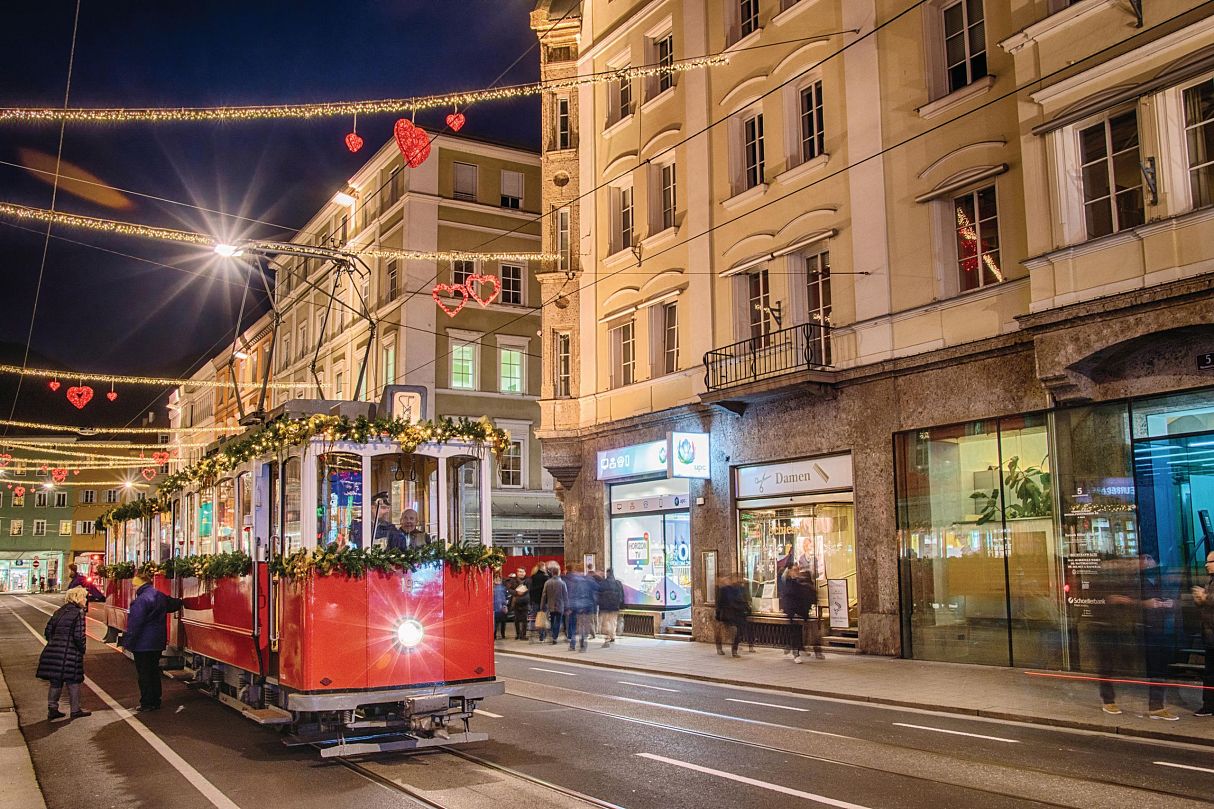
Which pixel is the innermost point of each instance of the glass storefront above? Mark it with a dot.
(651, 543)
(1034, 540)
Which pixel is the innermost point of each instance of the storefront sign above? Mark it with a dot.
(828, 473)
(657, 502)
(689, 455)
(638, 459)
(836, 596)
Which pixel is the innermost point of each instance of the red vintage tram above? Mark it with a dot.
(383, 661)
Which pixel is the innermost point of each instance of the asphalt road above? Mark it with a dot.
(623, 739)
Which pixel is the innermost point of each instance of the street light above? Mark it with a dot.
(344, 199)
(228, 250)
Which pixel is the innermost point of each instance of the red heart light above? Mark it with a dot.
(79, 396)
(19, 491)
(148, 472)
(412, 141)
(112, 395)
(5, 459)
(75, 471)
(160, 457)
(453, 290)
(455, 121)
(480, 281)
(354, 142)
(58, 475)
(53, 385)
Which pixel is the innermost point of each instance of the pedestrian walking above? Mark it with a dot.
(146, 636)
(1108, 629)
(520, 604)
(733, 613)
(580, 609)
(610, 599)
(554, 601)
(535, 583)
(794, 601)
(500, 601)
(1204, 598)
(813, 623)
(77, 580)
(62, 660)
(596, 581)
(1157, 610)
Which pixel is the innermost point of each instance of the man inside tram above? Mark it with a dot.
(411, 535)
(382, 526)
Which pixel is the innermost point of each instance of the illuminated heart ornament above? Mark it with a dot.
(79, 396)
(19, 491)
(53, 385)
(454, 290)
(148, 472)
(160, 457)
(58, 475)
(354, 142)
(412, 141)
(75, 471)
(455, 121)
(476, 284)
(5, 459)
(112, 395)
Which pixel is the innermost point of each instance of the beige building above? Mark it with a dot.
(918, 286)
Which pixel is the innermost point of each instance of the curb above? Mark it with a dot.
(1029, 719)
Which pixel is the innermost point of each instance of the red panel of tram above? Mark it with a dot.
(406, 629)
(217, 619)
(468, 653)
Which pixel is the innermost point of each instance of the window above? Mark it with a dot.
(670, 338)
(338, 388)
(620, 97)
(39, 528)
(748, 17)
(65, 528)
(977, 239)
(661, 53)
(564, 364)
(396, 185)
(111, 496)
(512, 284)
(622, 218)
(461, 269)
(667, 197)
(465, 181)
(87, 497)
(1199, 133)
(623, 353)
(817, 283)
(510, 369)
(85, 527)
(303, 339)
(60, 499)
(564, 245)
(345, 228)
(18, 501)
(813, 133)
(393, 283)
(752, 151)
(964, 43)
(389, 364)
(284, 358)
(16, 528)
(1112, 178)
(759, 304)
(512, 189)
(510, 467)
(40, 499)
(564, 135)
(463, 362)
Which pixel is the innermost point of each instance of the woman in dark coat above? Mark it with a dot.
(62, 661)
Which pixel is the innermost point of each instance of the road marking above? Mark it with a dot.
(553, 671)
(483, 712)
(1182, 766)
(48, 611)
(767, 704)
(754, 782)
(957, 733)
(654, 687)
(196, 779)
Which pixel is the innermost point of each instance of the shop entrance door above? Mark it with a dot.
(18, 580)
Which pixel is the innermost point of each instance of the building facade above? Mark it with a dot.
(933, 294)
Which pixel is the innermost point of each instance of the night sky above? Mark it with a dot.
(100, 311)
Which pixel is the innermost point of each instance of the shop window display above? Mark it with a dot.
(819, 537)
(651, 543)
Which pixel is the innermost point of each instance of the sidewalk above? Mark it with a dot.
(21, 790)
(999, 693)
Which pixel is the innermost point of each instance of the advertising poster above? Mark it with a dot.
(637, 543)
(836, 595)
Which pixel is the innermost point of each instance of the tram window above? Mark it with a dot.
(206, 521)
(244, 490)
(191, 524)
(464, 481)
(225, 514)
(339, 504)
(178, 529)
(411, 483)
(292, 536)
(163, 540)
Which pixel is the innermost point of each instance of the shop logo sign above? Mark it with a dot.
(829, 473)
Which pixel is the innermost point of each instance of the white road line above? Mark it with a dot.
(754, 782)
(483, 712)
(196, 779)
(767, 704)
(553, 671)
(1183, 766)
(654, 687)
(957, 733)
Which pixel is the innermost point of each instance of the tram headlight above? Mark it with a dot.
(409, 633)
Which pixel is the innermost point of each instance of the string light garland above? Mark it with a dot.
(68, 428)
(18, 464)
(26, 213)
(332, 109)
(9, 442)
(152, 381)
(92, 484)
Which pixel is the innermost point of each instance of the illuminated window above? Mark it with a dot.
(463, 359)
(977, 229)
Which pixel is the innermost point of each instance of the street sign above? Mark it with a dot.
(1205, 362)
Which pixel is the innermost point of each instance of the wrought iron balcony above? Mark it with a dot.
(804, 347)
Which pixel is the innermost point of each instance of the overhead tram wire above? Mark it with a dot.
(880, 153)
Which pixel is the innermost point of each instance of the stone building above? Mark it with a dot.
(930, 290)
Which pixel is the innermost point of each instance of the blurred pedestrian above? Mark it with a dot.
(1204, 598)
(77, 580)
(62, 659)
(146, 636)
(1107, 626)
(813, 623)
(1156, 637)
(554, 601)
(535, 583)
(610, 598)
(733, 613)
(596, 581)
(500, 599)
(794, 601)
(581, 608)
(520, 604)
(42, 584)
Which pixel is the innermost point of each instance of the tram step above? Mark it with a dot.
(269, 716)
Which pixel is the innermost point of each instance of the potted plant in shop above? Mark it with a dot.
(1031, 487)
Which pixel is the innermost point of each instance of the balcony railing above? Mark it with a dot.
(803, 347)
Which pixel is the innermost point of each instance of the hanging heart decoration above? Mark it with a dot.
(454, 290)
(354, 142)
(148, 472)
(5, 459)
(160, 457)
(53, 385)
(412, 141)
(75, 471)
(58, 475)
(19, 491)
(112, 395)
(79, 396)
(455, 121)
(475, 285)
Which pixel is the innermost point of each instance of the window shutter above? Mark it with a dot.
(465, 179)
(512, 184)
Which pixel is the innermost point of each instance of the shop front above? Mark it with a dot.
(30, 571)
(799, 513)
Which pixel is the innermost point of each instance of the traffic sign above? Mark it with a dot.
(36, 563)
